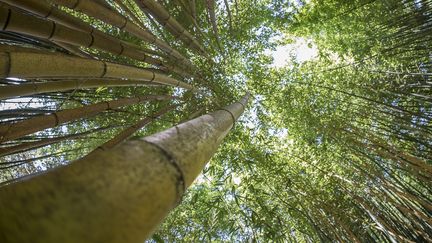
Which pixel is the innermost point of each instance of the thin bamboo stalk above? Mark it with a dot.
(73, 49)
(117, 195)
(46, 141)
(212, 18)
(172, 25)
(38, 123)
(10, 91)
(123, 135)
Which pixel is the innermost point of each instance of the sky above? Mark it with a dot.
(299, 50)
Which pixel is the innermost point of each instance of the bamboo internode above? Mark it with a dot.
(115, 195)
(47, 65)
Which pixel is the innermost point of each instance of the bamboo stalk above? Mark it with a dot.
(229, 14)
(38, 123)
(46, 29)
(212, 19)
(73, 49)
(41, 65)
(110, 16)
(46, 141)
(10, 91)
(172, 25)
(45, 10)
(117, 195)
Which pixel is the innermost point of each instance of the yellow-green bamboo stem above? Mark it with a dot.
(46, 29)
(129, 12)
(40, 65)
(16, 130)
(212, 19)
(43, 9)
(172, 25)
(116, 195)
(18, 90)
(109, 16)
(194, 22)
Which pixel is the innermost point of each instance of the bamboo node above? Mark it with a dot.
(52, 31)
(7, 19)
(232, 115)
(181, 184)
(104, 69)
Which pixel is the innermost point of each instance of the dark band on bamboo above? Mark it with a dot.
(154, 76)
(121, 49)
(53, 30)
(104, 69)
(7, 19)
(125, 23)
(57, 120)
(241, 104)
(167, 19)
(108, 105)
(181, 184)
(92, 38)
(232, 115)
(49, 12)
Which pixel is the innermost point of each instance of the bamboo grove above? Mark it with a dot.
(337, 148)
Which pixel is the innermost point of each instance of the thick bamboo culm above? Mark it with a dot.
(81, 202)
(48, 65)
(43, 9)
(18, 129)
(46, 29)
